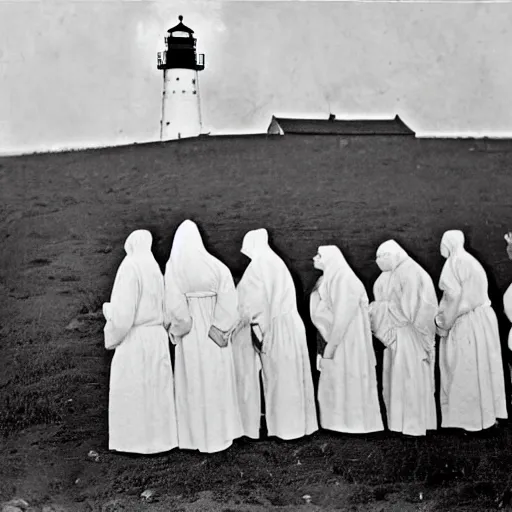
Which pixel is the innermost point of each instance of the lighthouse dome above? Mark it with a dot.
(180, 30)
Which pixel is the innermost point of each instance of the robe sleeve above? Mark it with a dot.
(381, 321)
(419, 303)
(381, 324)
(254, 304)
(321, 316)
(121, 310)
(414, 303)
(226, 309)
(345, 298)
(418, 307)
(451, 286)
(177, 318)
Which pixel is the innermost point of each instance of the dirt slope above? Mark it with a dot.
(63, 222)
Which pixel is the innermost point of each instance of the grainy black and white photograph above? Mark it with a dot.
(255, 255)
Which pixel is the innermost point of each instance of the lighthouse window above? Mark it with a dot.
(193, 81)
(194, 92)
(177, 78)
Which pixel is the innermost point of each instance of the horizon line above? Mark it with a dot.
(85, 147)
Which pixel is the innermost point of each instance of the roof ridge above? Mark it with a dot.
(391, 125)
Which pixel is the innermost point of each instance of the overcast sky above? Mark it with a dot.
(81, 73)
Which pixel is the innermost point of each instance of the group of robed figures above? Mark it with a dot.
(225, 335)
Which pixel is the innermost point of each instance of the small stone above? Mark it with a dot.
(112, 506)
(95, 456)
(148, 495)
(19, 503)
(11, 508)
(73, 325)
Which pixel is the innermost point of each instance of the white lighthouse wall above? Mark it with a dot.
(181, 117)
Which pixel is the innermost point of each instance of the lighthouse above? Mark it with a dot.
(181, 106)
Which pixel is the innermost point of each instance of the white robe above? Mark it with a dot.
(347, 388)
(472, 382)
(200, 287)
(402, 318)
(290, 409)
(142, 416)
(247, 370)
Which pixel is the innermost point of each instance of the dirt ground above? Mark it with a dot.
(63, 222)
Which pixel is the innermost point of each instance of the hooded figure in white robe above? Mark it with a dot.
(201, 307)
(247, 370)
(270, 304)
(403, 319)
(347, 390)
(472, 381)
(142, 416)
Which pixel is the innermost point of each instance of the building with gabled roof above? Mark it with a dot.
(333, 126)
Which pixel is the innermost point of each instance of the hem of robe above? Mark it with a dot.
(252, 436)
(143, 451)
(289, 437)
(472, 428)
(203, 449)
(415, 434)
(345, 430)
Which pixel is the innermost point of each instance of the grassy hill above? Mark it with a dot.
(63, 221)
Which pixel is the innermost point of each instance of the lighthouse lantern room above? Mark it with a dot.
(181, 107)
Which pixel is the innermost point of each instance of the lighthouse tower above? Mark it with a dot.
(181, 108)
